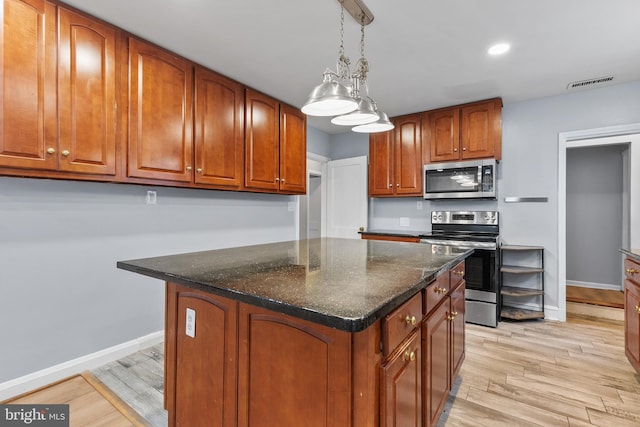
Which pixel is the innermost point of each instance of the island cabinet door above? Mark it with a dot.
(291, 372)
(200, 360)
(400, 385)
(457, 331)
(436, 359)
(632, 323)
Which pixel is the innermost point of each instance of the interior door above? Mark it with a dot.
(347, 197)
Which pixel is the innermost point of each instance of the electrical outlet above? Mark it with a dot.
(190, 328)
(152, 197)
(291, 206)
(419, 205)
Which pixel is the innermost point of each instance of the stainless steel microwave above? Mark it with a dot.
(474, 179)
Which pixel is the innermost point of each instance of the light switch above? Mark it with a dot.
(191, 323)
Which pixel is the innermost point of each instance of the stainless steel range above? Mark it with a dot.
(478, 230)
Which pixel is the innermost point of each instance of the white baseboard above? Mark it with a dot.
(66, 369)
(594, 285)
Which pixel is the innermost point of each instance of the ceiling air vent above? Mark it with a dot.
(590, 82)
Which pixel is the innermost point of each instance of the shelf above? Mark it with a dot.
(520, 292)
(521, 248)
(520, 313)
(516, 269)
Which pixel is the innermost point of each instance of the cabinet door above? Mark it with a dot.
(632, 323)
(28, 119)
(400, 386)
(457, 330)
(200, 359)
(219, 130)
(262, 119)
(160, 122)
(380, 164)
(86, 94)
(292, 372)
(444, 142)
(436, 359)
(293, 150)
(479, 138)
(407, 155)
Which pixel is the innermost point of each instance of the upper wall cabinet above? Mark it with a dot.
(275, 145)
(395, 159)
(160, 114)
(219, 130)
(66, 124)
(28, 85)
(470, 131)
(86, 94)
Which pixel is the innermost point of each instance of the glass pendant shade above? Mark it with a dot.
(329, 98)
(383, 124)
(365, 113)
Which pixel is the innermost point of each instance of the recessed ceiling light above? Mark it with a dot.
(499, 48)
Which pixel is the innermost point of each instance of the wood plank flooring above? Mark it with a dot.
(533, 373)
(90, 403)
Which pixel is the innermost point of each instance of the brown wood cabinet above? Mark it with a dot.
(219, 130)
(632, 312)
(28, 85)
(275, 145)
(465, 132)
(410, 239)
(395, 163)
(443, 341)
(86, 94)
(200, 369)
(160, 140)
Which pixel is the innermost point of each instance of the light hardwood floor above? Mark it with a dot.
(534, 373)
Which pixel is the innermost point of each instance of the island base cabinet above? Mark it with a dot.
(200, 358)
(632, 323)
(436, 371)
(292, 372)
(400, 388)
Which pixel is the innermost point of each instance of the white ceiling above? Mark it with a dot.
(423, 54)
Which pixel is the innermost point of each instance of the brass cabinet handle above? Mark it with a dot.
(390, 185)
(51, 150)
(442, 290)
(409, 355)
(458, 272)
(632, 271)
(199, 170)
(189, 168)
(638, 308)
(281, 179)
(464, 148)
(410, 320)
(455, 150)
(65, 153)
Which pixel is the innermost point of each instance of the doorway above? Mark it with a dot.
(628, 135)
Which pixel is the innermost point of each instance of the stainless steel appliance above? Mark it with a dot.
(474, 179)
(478, 230)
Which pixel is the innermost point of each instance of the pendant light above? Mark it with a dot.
(332, 97)
(344, 94)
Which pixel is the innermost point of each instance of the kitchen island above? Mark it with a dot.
(632, 306)
(321, 332)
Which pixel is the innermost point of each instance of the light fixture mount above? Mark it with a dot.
(358, 10)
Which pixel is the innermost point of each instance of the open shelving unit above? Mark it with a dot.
(507, 272)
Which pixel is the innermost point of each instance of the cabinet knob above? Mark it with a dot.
(199, 170)
(282, 180)
(410, 320)
(455, 150)
(409, 355)
(189, 168)
(390, 185)
(65, 153)
(632, 271)
(464, 149)
(277, 179)
(397, 185)
(51, 150)
(637, 308)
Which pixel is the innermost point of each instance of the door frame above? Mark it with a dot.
(316, 166)
(585, 138)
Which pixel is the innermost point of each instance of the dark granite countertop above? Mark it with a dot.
(402, 233)
(633, 253)
(347, 284)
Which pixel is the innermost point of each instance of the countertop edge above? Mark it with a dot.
(635, 253)
(351, 325)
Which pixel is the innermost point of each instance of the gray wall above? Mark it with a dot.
(594, 214)
(62, 296)
(529, 167)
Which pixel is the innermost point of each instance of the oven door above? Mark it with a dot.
(480, 271)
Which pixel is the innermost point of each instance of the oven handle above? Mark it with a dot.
(459, 244)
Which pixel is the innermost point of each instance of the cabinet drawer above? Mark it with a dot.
(632, 270)
(399, 324)
(436, 292)
(457, 274)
